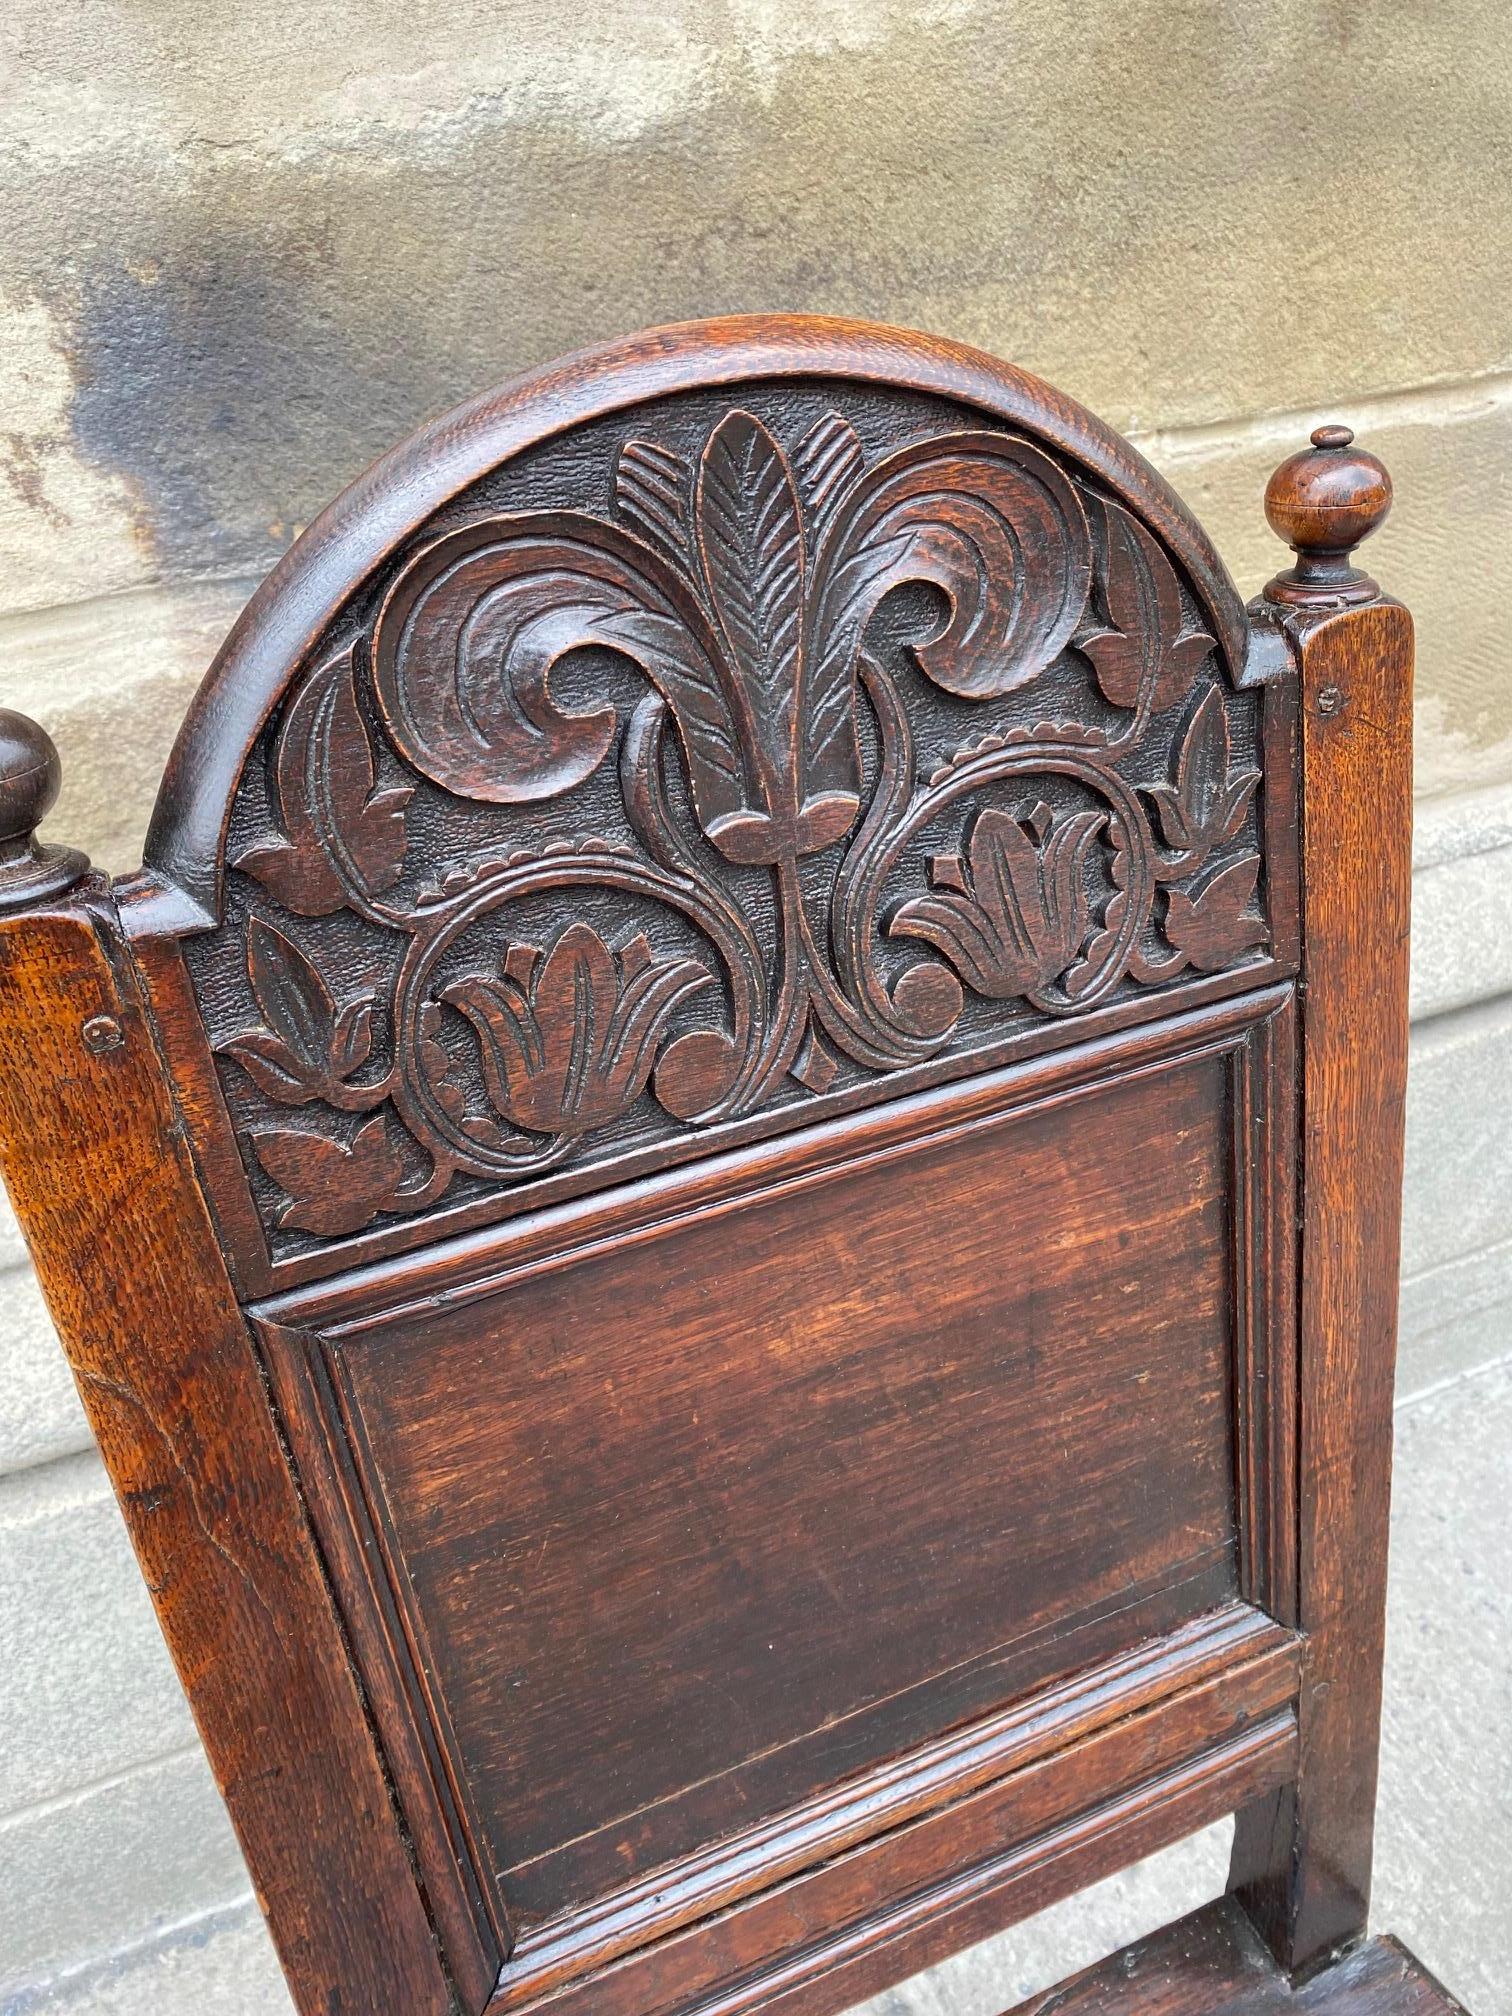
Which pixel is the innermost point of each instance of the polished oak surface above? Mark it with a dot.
(1212, 1964)
(693, 1530)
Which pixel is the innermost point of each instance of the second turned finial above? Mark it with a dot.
(29, 777)
(1323, 502)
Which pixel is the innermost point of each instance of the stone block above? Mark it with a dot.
(1455, 1319)
(1444, 1815)
(67, 524)
(284, 252)
(1461, 900)
(40, 1413)
(1459, 1137)
(112, 1866)
(90, 1692)
(1456, 1309)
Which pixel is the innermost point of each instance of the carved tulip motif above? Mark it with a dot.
(1013, 916)
(568, 1037)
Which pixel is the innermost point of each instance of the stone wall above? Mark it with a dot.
(246, 250)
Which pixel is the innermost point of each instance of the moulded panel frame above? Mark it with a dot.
(881, 1818)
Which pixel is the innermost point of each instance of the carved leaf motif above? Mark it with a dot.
(827, 461)
(309, 1047)
(468, 635)
(739, 572)
(1212, 926)
(1013, 919)
(987, 519)
(750, 537)
(756, 656)
(652, 487)
(568, 1037)
(1205, 805)
(324, 779)
(687, 675)
(333, 1186)
(291, 994)
(1142, 655)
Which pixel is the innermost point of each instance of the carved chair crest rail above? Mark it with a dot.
(726, 1199)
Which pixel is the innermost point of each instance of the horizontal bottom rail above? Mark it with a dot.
(1213, 1963)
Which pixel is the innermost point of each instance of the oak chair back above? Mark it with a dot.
(675, 1193)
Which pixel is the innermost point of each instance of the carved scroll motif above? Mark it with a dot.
(772, 739)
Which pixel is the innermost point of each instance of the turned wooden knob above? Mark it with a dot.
(1323, 502)
(30, 773)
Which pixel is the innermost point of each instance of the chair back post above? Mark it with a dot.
(94, 1152)
(1302, 1861)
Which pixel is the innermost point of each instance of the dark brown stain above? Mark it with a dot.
(21, 468)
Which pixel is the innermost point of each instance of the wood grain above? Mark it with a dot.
(94, 1159)
(1212, 1964)
(1304, 1866)
(848, 1928)
(1253, 1663)
(838, 1446)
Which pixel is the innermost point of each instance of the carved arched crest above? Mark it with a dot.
(748, 747)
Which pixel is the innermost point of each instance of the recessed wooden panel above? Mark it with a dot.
(694, 1528)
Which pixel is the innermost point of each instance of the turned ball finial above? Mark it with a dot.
(1323, 502)
(30, 774)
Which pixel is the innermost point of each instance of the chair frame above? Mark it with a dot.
(189, 1329)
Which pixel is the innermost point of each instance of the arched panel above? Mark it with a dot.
(754, 717)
